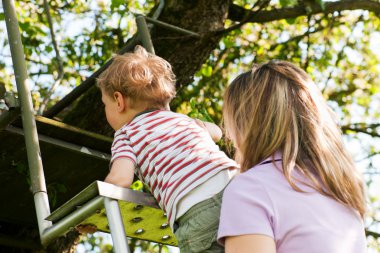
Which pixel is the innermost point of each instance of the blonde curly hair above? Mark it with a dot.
(140, 76)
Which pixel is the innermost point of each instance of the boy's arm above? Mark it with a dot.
(214, 131)
(121, 173)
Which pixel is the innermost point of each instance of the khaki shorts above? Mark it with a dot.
(198, 227)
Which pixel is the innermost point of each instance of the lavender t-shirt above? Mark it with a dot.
(261, 201)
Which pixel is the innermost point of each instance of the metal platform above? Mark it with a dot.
(142, 217)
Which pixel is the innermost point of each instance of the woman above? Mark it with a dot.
(299, 190)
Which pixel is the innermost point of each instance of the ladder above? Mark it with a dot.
(111, 208)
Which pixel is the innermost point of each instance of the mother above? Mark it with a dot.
(299, 190)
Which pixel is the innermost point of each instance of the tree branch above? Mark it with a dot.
(298, 37)
(35, 61)
(59, 60)
(372, 233)
(259, 4)
(238, 13)
(369, 129)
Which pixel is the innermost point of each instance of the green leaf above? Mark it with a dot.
(321, 3)
(137, 185)
(61, 188)
(228, 42)
(2, 17)
(285, 3)
(198, 111)
(290, 21)
(205, 115)
(207, 71)
(24, 26)
(116, 4)
(49, 49)
(193, 104)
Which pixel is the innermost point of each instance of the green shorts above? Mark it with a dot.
(198, 227)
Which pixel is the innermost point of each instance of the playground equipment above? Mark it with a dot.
(112, 209)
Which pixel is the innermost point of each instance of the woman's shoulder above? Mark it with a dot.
(259, 178)
(262, 172)
(254, 177)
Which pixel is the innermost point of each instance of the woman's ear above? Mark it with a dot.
(120, 100)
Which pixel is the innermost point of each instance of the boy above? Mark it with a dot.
(170, 152)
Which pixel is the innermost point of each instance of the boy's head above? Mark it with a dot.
(140, 76)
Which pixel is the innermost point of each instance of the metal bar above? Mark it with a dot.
(120, 242)
(29, 124)
(65, 145)
(85, 85)
(171, 27)
(70, 221)
(127, 195)
(71, 205)
(160, 7)
(144, 34)
(7, 117)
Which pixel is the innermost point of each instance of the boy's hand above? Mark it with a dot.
(86, 229)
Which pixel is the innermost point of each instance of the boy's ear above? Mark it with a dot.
(120, 100)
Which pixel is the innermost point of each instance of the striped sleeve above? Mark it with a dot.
(121, 148)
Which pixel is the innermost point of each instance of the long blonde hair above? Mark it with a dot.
(277, 107)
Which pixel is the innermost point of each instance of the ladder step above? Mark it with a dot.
(142, 217)
(141, 222)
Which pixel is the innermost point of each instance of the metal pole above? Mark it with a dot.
(27, 112)
(160, 7)
(120, 242)
(144, 34)
(70, 221)
(171, 27)
(63, 144)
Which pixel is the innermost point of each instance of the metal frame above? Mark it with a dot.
(115, 222)
(66, 224)
(144, 35)
(63, 144)
(48, 232)
(37, 176)
(172, 27)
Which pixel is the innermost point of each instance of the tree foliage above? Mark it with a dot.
(337, 43)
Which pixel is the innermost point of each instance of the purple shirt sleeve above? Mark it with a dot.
(246, 209)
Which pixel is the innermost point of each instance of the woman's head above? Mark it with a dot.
(270, 104)
(277, 107)
(140, 76)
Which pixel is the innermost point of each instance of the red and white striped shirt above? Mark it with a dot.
(172, 155)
